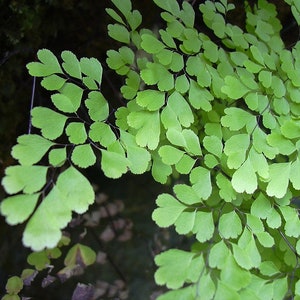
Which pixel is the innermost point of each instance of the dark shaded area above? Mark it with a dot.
(80, 26)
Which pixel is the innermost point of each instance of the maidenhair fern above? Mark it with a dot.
(225, 111)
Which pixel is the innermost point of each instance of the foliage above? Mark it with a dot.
(222, 110)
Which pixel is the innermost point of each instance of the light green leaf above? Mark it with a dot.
(150, 99)
(80, 255)
(114, 164)
(181, 108)
(69, 98)
(48, 64)
(192, 142)
(274, 219)
(97, 106)
(254, 224)
(265, 77)
(102, 133)
(185, 164)
(268, 268)
(134, 19)
(265, 239)
(182, 84)
(29, 179)
(230, 225)
(30, 149)
(185, 222)
(234, 88)
(284, 145)
(261, 206)
(295, 174)
(151, 44)
(170, 155)
(213, 145)
(76, 133)
(169, 5)
(226, 192)
(57, 157)
(71, 64)
(50, 122)
(279, 179)
(92, 68)
(17, 209)
(138, 157)
(159, 170)
(148, 125)
(53, 82)
(168, 211)
(200, 179)
(186, 194)
(218, 255)
(119, 33)
(291, 129)
(173, 275)
(204, 227)
(244, 178)
(236, 119)
(292, 222)
(83, 156)
(71, 192)
(235, 148)
(199, 97)
(259, 163)
(114, 15)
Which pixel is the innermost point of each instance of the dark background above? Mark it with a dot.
(81, 26)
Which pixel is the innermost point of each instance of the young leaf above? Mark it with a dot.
(203, 226)
(200, 179)
(80, 255)
(30, 149)
(50, 122)
(29, 179)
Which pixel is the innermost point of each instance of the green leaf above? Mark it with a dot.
(204, 227)
(213, 145)
(148, 125)
(261, 206)
(92, 68)
(71, 64)
(50, 122)
(169, 5)
(294, 174)
(30, 149)
(234, 88)
(265, 239)
(48, 64)
(72, 192)
(113, 164)
(29, 179)
(97, 106)
(291, 129)
(83, 156)
(200, 97)
(168, 211)
(80, 255)
(179, 105)
(53, 82)
(150, 99)
(230, 225)
(218, 254)
(14, 285)
(57, 157)
(76, 133)
(160, 171)
(200, 179)
(187, 14)
(292, 222)
(170, 155)
(235, 148)
(69, 98)
(17, 209)
(268, 268)
(151, 44)
(175, 274)
(182, 84)
(119, 33)
(186, 194)
(138, 157)
(114, 15)
(244, 178)
(284, 145)
(274, 219)
(102, 133)
(124, 6)
(226, 192)
(279, 179)
(236, 119)
(185, 164)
